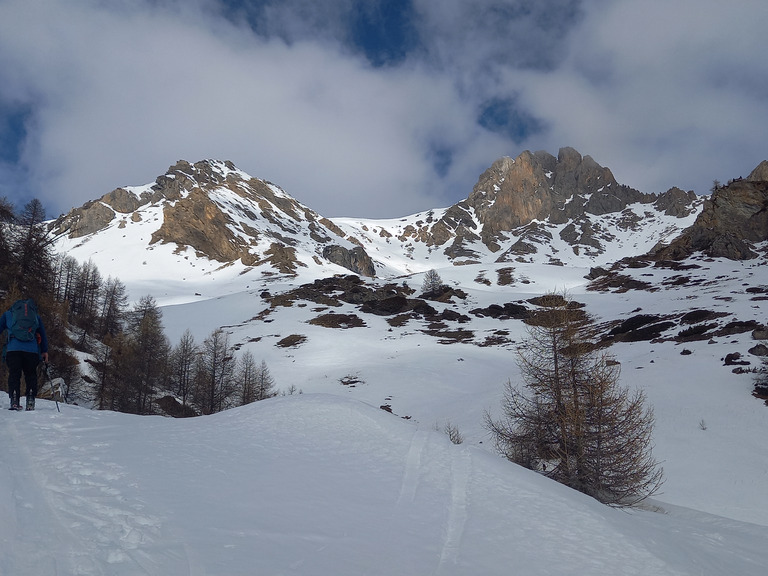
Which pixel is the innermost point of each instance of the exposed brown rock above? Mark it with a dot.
(122, 201)
(675, 202)
(211, 207)
(732, 219)
(356, 260)
(198, 222)
(88, 219)
(760, 173)
(514, 193)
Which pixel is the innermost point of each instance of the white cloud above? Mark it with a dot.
(663, 93)
(121, 97)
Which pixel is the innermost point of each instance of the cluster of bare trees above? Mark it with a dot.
(25, 249)
(134, 368)
(26, 271)
(571, 420)
(97, 306)
(132, 363)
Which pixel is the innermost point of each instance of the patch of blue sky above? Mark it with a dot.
(504, 116)
(13, 120)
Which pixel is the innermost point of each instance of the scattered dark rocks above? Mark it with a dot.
(635, 322)
(697, 316)
(596, 272)
(453, 316)
(620, 283)
(737, 327)
(291, 341)
(674, 265)
(351, 380)
(444, 294)
(332, 320)
(502, 312)
(450, 336)
(759, 350)
(696, 332)
(639, 328)
(386, 307)
(734, 359)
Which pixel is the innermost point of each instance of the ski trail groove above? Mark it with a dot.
(412, 468)
(461, 467)
(64, 552)
(96, 522)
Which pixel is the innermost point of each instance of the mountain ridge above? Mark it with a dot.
(536, 207)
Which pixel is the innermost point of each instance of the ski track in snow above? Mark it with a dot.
(73, 494)
(63, 552)
(412, 468)
(461, 467)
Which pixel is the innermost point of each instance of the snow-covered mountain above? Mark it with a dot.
(326, 482)
(535, 208)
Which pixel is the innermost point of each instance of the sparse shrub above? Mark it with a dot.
(351, 380)
(291, 390)
(453, 433)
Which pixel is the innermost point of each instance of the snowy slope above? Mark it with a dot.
(389, 242)
(316, 485)
(326, 483)
(720, 470)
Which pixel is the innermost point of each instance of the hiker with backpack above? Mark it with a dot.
(27, 344)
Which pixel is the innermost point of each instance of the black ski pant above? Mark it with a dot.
(19, 362)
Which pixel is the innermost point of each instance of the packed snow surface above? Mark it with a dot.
(325, 482)
(314, 484)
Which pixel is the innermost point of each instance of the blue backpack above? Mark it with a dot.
(24, 320)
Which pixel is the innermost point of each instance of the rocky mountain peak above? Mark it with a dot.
(525, 198)
(224, 215)
(733, 219)
(538, 186)
(760, 173)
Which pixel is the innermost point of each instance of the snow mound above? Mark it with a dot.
(316, 485)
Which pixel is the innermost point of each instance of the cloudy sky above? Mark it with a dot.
(376, 108)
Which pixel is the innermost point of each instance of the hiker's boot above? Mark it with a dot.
(13, 400)
(30, 402)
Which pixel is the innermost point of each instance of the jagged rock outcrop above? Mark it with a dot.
(732, 220)
(675, 202)
(356, 260)
(518, 198)
(534, 207)
(760, 173)
(224, 215)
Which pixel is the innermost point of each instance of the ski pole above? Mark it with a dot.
(53, 392)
